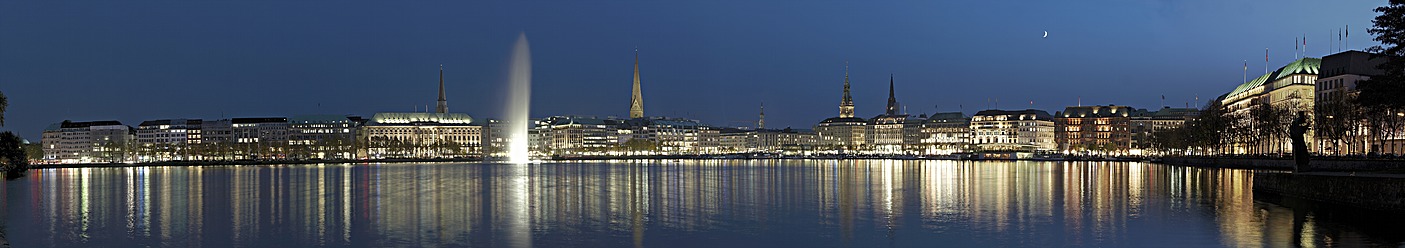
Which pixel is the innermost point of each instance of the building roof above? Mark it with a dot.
(318, 119)
(83, 124)
(663, 121)
(1166, 113)
(1096, 111)
(947, 117)
(1300, 66)
(401, 118)
(1039, 114)
(258, 120)
(583, 120)
(170, 121)
(843, 120)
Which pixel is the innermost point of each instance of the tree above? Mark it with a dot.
(3, 104)
(12, 157)
(1379, 96)
(1382, 92)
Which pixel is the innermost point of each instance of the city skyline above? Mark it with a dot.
(157, 68)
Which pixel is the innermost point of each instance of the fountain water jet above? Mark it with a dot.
(519, 100)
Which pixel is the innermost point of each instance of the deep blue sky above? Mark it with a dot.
(714, 61)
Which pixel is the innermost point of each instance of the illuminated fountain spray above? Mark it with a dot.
(516, 200)
(519, 99)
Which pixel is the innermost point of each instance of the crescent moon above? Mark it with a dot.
(1046, 34)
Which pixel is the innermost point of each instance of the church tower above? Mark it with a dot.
(443, 106)
(636, 101)
(892, 101)
(761, 123)
(846, 105)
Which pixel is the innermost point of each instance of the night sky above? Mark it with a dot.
(714, 61)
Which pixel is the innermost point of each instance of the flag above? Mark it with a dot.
(1295, 43)
(1246, 65)
(1265, 55)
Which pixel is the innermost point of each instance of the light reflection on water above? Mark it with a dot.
(668, 203)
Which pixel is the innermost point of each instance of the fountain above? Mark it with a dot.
(516, 200)
(519, 100)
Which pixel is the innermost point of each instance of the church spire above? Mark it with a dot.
(846, 104)
(761, 123)
(892, 101)
(636, 101)
(443, 106)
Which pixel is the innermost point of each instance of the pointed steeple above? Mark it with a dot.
(761, 123)
(636, 101)
(443, 106)
(846, 104)
(892, 101)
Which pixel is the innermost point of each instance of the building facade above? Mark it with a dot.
(88, 142)
(577, 135)
(1102, 130)
(167, 139)
(674, 136)
(945, 134)
(421, 135)
(844, 133)
(1281, 93)
(1339, 122)
(1027, 130)
(1144, 124)
(323, 136)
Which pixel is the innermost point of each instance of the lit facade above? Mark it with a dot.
(1094, 129)
(1145, 124)
(1013, 130)
(779, 141)
(576, 135)
(323, 136)
(259, 137)
(169, 139)
(88, 142)
(845, 132)
(1343, 127)
(421, 135)
(1289, 89)
(672, 135)
(945, 134)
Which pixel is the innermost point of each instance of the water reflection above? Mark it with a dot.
(708, 203)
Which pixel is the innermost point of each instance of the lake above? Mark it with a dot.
(673, 203)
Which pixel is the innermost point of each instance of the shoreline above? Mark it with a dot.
(593, 158)
(1269, 164)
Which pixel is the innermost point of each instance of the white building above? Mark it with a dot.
(168, 139)
(88, 142)
(945, 134)
(674, 136)
(576, 135)
(422, 135)
(1013, 130)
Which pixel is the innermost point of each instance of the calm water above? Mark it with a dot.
(671, 203)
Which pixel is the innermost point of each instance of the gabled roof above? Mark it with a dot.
(1300, 66)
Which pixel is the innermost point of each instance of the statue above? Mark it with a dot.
(1297, 130)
